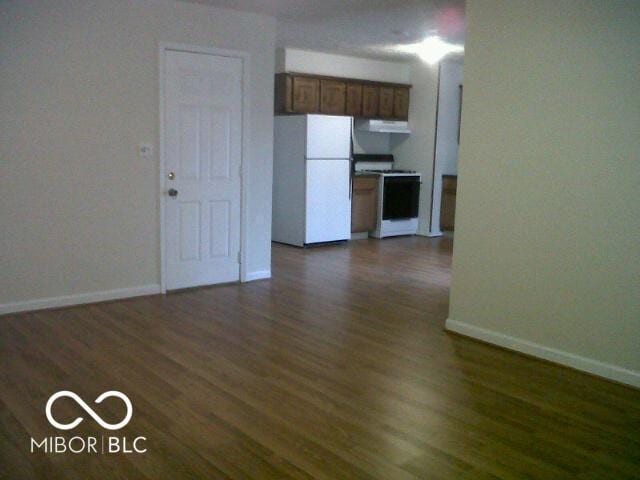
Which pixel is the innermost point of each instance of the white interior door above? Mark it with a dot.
(202, 139)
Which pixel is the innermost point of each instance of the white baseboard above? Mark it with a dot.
(432, 234)
(78, 299)
(259, 275)
(102, 296)
(606, 370)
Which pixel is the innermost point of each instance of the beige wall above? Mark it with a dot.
(547, 246)
(78, 93)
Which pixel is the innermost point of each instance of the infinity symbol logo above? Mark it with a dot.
(89, 410)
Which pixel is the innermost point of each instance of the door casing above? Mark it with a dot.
(244, 154)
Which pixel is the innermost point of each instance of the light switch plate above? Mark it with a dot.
(145, 150)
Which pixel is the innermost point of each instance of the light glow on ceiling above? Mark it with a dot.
(431, 49)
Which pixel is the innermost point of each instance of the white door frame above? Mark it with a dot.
(244, 164)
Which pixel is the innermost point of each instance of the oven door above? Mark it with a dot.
(401, 197)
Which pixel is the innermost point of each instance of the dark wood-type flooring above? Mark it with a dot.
(337, 368)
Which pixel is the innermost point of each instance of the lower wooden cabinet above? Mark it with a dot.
(364, 203)
(448, 202)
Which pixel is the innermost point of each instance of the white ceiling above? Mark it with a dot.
(367, 28)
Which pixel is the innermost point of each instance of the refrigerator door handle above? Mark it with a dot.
(351, 164)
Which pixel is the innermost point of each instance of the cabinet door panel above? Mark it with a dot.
(370, 100)
(401, 103)
(354, 100)
(364, 204)
(385, 108)
(332, 97)
(306, 95)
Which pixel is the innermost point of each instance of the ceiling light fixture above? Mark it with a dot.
(431, 49)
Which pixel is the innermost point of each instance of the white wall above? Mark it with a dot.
(415, 151)
(446, 161)
(546, 258)
(318, 63)
(78, 92)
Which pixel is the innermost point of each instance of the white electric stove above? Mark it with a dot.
(398, 195)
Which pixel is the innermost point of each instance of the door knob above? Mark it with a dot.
(173, 192)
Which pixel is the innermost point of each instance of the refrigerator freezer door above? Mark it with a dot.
(328, 136)
(328, 206)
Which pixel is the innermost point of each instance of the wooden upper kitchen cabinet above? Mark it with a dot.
(354, 100)
(370, 100)
(401, 103)
(333, 97)
(364, 203)
(306, 95)
(385, 109)
(296, 94)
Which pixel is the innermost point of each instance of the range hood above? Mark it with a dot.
(382, 126)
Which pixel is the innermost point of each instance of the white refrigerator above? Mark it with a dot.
(311, 179)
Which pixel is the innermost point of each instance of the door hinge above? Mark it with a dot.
(239, 261)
